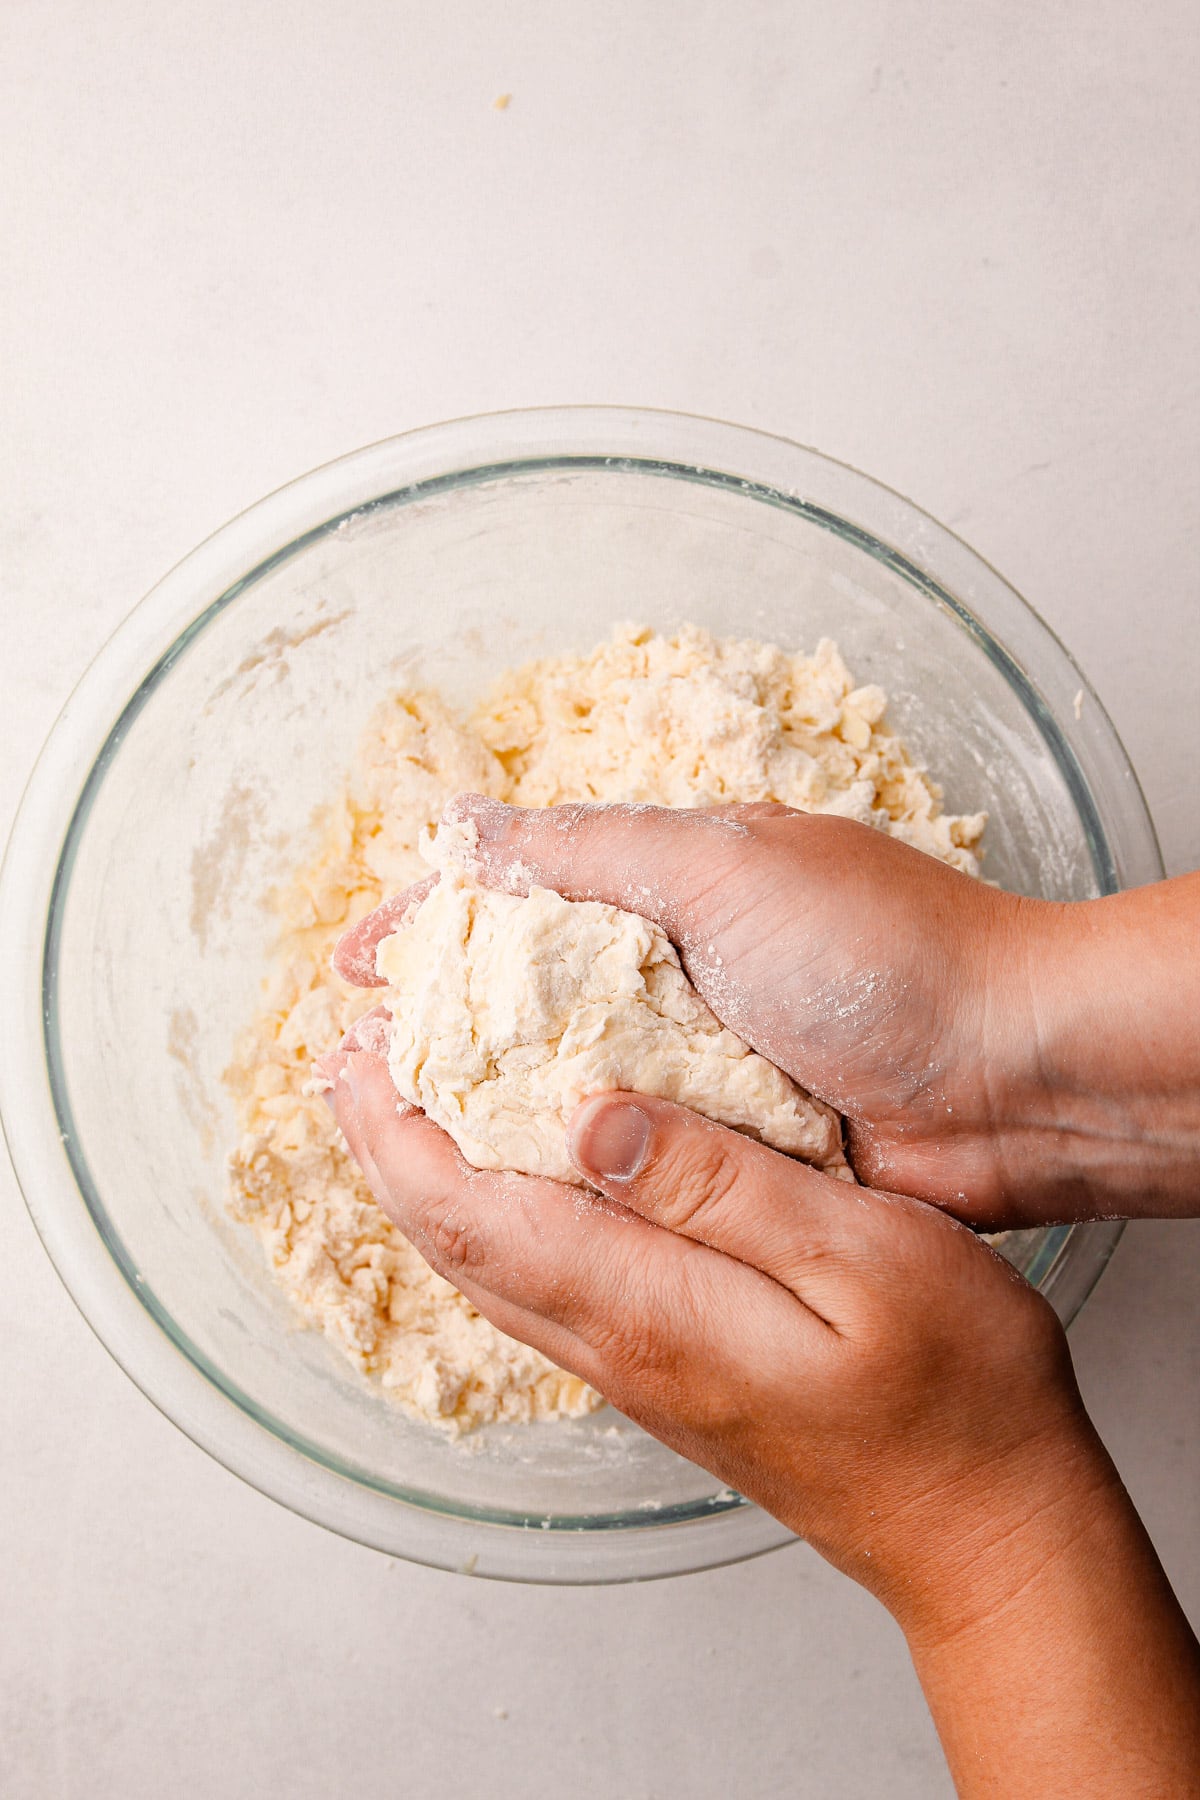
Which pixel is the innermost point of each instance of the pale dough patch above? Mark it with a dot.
(507, 1012)
(682, 721)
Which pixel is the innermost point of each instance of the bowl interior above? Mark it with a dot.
(204, 795)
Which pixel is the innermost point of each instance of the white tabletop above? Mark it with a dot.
(955, 246)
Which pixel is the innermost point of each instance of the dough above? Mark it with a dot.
(684, 720)
(508, 1012)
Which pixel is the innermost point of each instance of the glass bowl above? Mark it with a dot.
(183, 775)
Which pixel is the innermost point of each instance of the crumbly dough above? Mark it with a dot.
(508, 1011)
(685, 720)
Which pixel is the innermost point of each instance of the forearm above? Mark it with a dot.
(1059, 1663)
(1106, 1098)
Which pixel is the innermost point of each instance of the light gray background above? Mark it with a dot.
(954, 245)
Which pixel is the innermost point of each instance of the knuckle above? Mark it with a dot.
(695, 1178)
(625, 1352)
(810, 1257)
(655, 1361)
(456, 1245)
(754, 812)
(629, 1329)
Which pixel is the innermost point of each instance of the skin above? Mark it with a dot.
(855, 1359)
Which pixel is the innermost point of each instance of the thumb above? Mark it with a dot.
(659, 861)
(718, 1187)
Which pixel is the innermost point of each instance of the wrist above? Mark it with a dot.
(1002, 1532)
(1097, 1096)
(1057, 1660)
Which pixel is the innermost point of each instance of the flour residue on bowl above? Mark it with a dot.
(685, 720)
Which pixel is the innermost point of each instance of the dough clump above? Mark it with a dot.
(680, 720)
(507, 1012)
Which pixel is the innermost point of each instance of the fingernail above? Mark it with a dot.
(610, 1138)
(489, 817)
(372, 1033)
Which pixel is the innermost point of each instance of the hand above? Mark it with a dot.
(866, 1369)
(767, 1321)
(976, 1042)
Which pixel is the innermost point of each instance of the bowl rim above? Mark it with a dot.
(85, 737)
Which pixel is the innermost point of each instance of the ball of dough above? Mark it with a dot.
(507, 1012)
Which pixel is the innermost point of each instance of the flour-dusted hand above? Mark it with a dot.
(866, 1369)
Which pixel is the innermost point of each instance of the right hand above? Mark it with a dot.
(867, 1370)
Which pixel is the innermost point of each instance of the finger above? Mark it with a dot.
(354, 952)
(546, 1334)
(626, 1305)
(494, 1228)
(371, 1032)
(806, 1230)
(658, 861)
(366, 1116)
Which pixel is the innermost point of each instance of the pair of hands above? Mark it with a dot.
(853, 1358)
(724, 1287)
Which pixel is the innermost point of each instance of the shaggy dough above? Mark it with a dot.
(507, 1012)
(685, 720)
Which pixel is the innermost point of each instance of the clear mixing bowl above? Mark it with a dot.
(181, 779)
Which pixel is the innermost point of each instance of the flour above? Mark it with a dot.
(687, 720)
